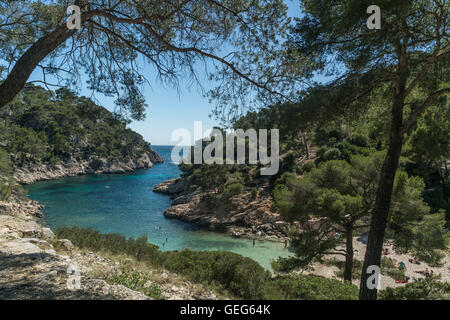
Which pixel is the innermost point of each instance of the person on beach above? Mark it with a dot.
(254, 242)
(414, 260)
(285, 243)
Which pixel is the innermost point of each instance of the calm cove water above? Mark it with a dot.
(125, 204)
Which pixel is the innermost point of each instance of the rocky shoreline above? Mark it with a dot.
(31, 173)
(36, 265)
(249, 217)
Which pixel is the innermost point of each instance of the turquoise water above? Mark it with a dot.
(125, 204)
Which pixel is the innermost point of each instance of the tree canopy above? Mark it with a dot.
(410, 53)
(41, 127)
(177, 38)
(337, 197)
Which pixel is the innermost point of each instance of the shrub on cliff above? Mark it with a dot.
(315, 288)
(112, 242)
(136, 281)
(39, 126)
(225, 272)
(5, 173)
(8, 186)
(421, 289)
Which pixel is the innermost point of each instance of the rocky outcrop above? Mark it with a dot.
(18, 208)
(31, 173)
(35, 264)
(241, 216)
(31, 268)
(173, 187)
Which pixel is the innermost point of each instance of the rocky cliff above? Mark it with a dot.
(49, 135)
(31, 173)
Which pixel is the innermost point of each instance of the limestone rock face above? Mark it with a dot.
(173, 187)
(65, 244)
(242, 216)
(31, 269)
(31, 173)
(48, 233)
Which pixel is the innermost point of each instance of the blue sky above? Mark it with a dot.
(172, 108)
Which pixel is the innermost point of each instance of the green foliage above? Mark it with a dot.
(293, 121)
(343, 150)
(210, 177)
(308, 166)
(421, 289)
(316, 288)
(233, 189)
(428, 150)
(332, 154)
(136, 281)
(396, 274)
(8, 186)
(175, 44)
(229, 272)
(39, 127)
(339, 195)
(5, 192)
(226, 272)
(5, 164)
(359, 140)
(112, 242)
(340, 264)
(389, 268)
(426, 239)
(333, 190)
(24, 144)
(431, 138)
(219, 182)
(240, 276)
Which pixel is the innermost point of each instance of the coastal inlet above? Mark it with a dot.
(126, 204)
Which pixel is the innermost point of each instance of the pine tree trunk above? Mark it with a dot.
(380, 213)
(23, 68)
(36, 53)
(348, 256)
